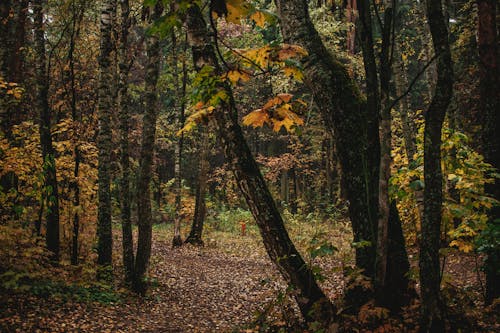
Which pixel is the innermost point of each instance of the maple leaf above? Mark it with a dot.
(236, 75)
(294, 73)
(237, 10)
(279, 99)
(256, 118)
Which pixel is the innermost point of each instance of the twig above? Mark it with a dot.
(412, 83)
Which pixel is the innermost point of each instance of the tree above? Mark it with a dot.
(489, 96)
(200, 208)
(179, 105)
(50, 192)
(353, 123)
(312, 302)
(104, 139)
(432, 319)
(76, 18)
(123, 102)
(146, 158)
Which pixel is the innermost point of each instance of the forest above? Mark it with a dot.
(249, 166)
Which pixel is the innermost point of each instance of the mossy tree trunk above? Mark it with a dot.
(344, 111)
(312, 302)
(432, 319)
(355, 123)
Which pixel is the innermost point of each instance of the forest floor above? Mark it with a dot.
(221, 287)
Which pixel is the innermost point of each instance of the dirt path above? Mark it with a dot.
(195, 291)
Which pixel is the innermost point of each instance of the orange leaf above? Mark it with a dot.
(256, 118)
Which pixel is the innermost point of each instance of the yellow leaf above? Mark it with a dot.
(256, 118)
(234, 76)
(293, 72)
(237, 10)
(261, 18)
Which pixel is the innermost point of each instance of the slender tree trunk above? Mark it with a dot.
(123, 100)
(146, 160)
(385, 151)
(104, 140)
(489, 86)
(178, 105)
(50, 191)
(432, 312)
(200, 208)
(312, 302)
(77, 15)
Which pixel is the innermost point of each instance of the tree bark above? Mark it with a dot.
(146, 160)
(312, 302)
(432, 319)
(178, 106)
(200, 208)
(344, 112)
(385, 152)
(50, 191)
(489, 86)
(104, 139)
(123, 102)
(77, 15)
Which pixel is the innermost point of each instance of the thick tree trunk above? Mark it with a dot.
(200, 208)
(344, 112)
(489, 89)
(104, 141)
(50, 191)
(432, 312)
(146, 160)
(313, 303)
(123, 100)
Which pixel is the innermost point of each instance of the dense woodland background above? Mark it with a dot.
(249, 165)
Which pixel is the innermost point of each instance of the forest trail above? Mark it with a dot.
(194, 290)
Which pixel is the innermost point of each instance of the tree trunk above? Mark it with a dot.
(104, 141)
(344, 112)
(77, 15)
(488, 69)
(50, 191)
(123, 100)
(312, 302)
(146, 159)
(385, 153)
(200, 208)
(178, 106)
(432, 319)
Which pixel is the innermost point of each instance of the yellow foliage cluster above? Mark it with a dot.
(22, 157)
(277, 112)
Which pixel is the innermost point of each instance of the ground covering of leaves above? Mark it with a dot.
(217, 288)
